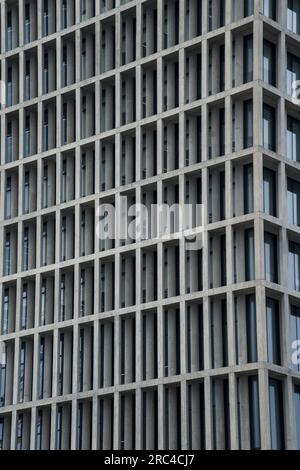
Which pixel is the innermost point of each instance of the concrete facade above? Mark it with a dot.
(146, 345)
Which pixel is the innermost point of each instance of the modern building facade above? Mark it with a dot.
(144, 344)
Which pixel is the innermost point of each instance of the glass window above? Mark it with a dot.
(83, 117)
(5, 311)
(62, 297)
(25, 249)
(222, 12)
(83, 9)
(269, 63)
(27, 80)
(2, 377)
(209, 73)
(64, 181)
(64, 66)
(82, 293)
(24, 310)
(222, 67)
(248, 124)
(249, 255)
(293, 16)
(41, 368)
(251, 328)
(254, 413)
(8, 198)
(43, 302)
(27, 137)
(64, 124)
(271, 270)
(81, 359)
(248, 58)
(19, 438)
(292, 73)
(297, 413)
(294, 266)
(269, 126)
(45, 131)
(270, 7)
(59, 428)
(9, 143)
(7, 254)
(295, 331)
(27, 23)
(63, 241)
(9, 94)
(26, 191)
(9, 35)
(293, 199)
(223, 260)
(45, 18)
(276, 414)
(82, 234)
(46, 73)
(45, 186)
(79, 426)
(222, 195)
(44, 244)
(64, 14)
(83, 59)
(233, 60)
(270, 192)
(273, 331)
(22, 371)
(61, 364)
(293, 139)
(39, 430)
(83, 176)
(1, 433)
(248, 7)
(222, 131)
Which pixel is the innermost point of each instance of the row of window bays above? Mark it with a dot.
(69, 176)
(121, 164)
(51, 237)
(145, 79)
(149, 346)
(73, 289)
(121, 151)
(65, 417)
(216, 18)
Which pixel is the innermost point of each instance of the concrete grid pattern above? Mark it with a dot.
(145, 345)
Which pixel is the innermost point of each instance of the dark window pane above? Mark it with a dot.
(273, 331)
(254, 416)
(248, 124)
(297, 413)
(269, 126)
(293, 202)
(248, 189)
(270, 192)
(251, 328)
(248, 58)
(276, 415)
(293, 139)
(249, 255)
(269, 63)
(270, 9)
(271, 270)
(293, 16)
(294, 265)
